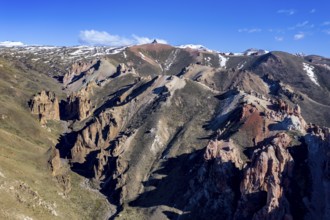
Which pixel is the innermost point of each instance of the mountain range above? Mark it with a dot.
(156, 131)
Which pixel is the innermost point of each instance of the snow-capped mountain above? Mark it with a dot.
(253, 51)
(195, 47)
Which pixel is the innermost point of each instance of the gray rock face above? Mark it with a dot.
(318, 142)
(292, 122)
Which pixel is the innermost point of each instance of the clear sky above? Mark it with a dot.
(231, 25)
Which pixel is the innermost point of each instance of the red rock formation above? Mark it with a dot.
(269, 172)
(254, 125)
(283, 106)
(226, 151)
(277, 174)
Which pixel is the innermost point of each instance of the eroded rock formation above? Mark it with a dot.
(122, 68)
(225, 151)
(46, 106)
(55, 162)
(136, 141)
(257, 183)
(79, 105)
(79, 68)
(96, 136)
(264, 180)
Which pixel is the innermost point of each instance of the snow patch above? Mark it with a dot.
(234, 54)
(142, 56)
(249, 52)
(222, 61)
(116, 50)
(253, 51)
(77, 52)
(195, 47)
(84, 47)
(207, 61)
(170, 60)
(241, 65)
(46, 47)
(157, 143)
(310, 73)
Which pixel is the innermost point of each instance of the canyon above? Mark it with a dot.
(155, 131)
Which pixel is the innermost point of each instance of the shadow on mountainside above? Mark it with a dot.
(179, 188)
(172, 182)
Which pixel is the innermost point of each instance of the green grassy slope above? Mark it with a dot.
(26, 186)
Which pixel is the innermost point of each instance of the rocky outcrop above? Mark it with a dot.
(55, 162)
(225, 151)
(254, 189)
(122, 68)
(318, 199)
(46, 106)
(96, 136)
(289, 92)
(104, 156)
(254, 126)
(290, 118)
(254, 183)
(216, 184)
(264, 182)
(79, 68)
(101, 162)
(79, 105)
(110, 72)
(60, 171)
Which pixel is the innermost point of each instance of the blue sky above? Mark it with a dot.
(287, 25)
